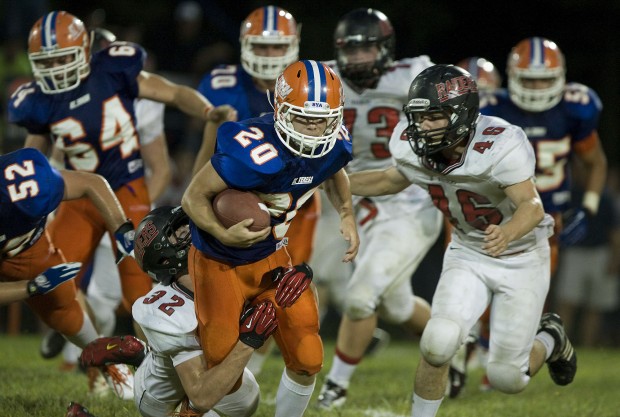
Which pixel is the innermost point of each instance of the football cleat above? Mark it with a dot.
(562, 363)
(52, 344)
(332, 396)
(116, 349)
(379, 342)
(457, 375)
(77, 410)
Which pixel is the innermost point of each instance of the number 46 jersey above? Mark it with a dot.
(470, 192)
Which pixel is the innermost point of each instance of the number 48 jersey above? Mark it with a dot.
(470, 192)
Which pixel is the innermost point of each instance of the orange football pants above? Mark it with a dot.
(221, 292)
(302, 229)
(59, 308)
(78, 227)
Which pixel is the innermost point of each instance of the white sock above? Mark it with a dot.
(548, 342)
(256, 362)
(104, 312)
(341, 372)
(292, 398)
(424, 408)
(86, 334)
(70, 353)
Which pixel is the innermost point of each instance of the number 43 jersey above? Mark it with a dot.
(470, 192)
(93, 124)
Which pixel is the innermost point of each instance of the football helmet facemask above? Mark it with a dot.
(536, 59)
(446, 89)
(269, 25)
(308, 90)
(484, 72)
(162, 243)
(59, 52)
(361, 28)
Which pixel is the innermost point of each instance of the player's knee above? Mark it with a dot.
(306, 357)
(396, 312)
(506, 377)
(359, 308)
(440, 341)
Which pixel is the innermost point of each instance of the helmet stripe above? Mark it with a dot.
(48, 30)
(270, 19)
(537, 52)
(316, 81)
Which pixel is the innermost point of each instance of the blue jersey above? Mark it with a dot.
(250, 156)
(230, 84)
(554, 133)
(94, 124)
(30, 189)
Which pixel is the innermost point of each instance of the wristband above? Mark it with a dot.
(591, 200)
(31, 288)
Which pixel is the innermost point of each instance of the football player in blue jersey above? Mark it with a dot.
(269, 43)
(85, 103)
(560, 120)
(283, 158)
(30, 189)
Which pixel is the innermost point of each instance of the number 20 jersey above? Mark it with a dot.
(555, 134)
(93, 124)
(470, 192)
(250, 156)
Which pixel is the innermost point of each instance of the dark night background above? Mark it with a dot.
(447, 31)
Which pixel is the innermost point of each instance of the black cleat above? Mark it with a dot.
(52, 344)
(562, 363)
(332, 396)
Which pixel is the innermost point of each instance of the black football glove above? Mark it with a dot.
(257, 324)
(291, 283)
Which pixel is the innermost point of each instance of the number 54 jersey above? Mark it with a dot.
(470, 192)
(93, 124)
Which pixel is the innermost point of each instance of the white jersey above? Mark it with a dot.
(471, 192)
(167, 316)
(372, 115)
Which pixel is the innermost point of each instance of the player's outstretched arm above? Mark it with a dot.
(378, 182)
(39, 142)
(219, 115)
(205, 387)
(42, 284)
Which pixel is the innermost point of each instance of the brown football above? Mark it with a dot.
(232, 206)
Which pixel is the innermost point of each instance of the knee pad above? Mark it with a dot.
(440, 341)
(244, 401)
(397, 310)
(506, 377)
(361, 305)
(307, 359)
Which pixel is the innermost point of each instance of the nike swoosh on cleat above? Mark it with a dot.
(110, 347)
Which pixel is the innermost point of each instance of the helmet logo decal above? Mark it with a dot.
(455, 87)
(282, 88)
(147, 235)
(75, 29)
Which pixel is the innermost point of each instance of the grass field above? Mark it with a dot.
(382, 386)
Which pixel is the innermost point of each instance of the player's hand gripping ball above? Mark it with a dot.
(232, 206)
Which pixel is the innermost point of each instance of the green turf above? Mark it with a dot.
(33, 387)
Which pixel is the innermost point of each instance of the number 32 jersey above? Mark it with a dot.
(470, 192)
(555, 134)
(93, 124)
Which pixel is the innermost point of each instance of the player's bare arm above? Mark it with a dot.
(186, 99)
(528, 214)
(39, 142)
(197, 203)
(80, 184)
(217, 116)
(339, 194)
(155, 154)
(378, 182)
(595, 163)
(205, 387)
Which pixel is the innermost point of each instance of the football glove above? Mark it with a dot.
(575, 227)
(124, 237)
(52, 278)
(257, 324)
(291, 283)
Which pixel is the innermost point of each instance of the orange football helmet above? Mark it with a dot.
(484, 72)
(310, 90)
(59, 52)
(536, 59)
(269, 25)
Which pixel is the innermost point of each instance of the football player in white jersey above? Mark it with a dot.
(380, 284)
(174, 369)
(479, 171)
